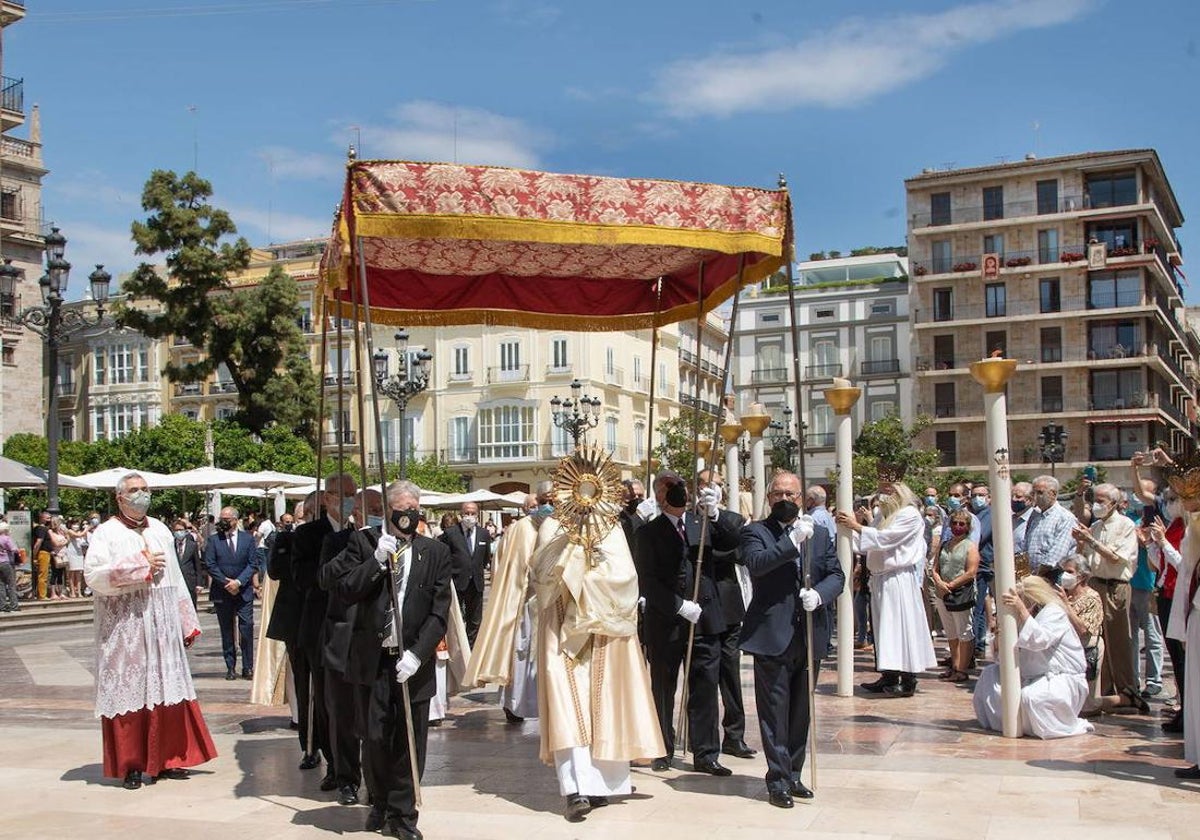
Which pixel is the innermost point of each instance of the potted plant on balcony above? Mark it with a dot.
(1150, 245)
(1122, 252)
(1070, 256)
(920, 271)
(966, 266)
(1017, 262)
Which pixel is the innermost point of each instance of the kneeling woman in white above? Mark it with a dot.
(1050, 659)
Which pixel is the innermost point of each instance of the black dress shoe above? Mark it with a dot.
(712, 768)
(348, 795)
(799, 789)
(880, 684)
(133, 780)
(329, 782)
(660, 765)
(248, 675)
(780, 798)
(739, 749)
(597, 801)
(1173, 724)
(230, 675)
(392, 827)
(310, 761)
(578, 807)
(375, 820)
(899, 690)
(1192, 772)
(511, 718)
(175, 773)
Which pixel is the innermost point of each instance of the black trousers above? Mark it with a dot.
(781, 699)
(243, 612)
(302, 673)
(386, 760)
(733, 718)
(471, 601)
(345, 709)
(665, 656)
(1175, 648)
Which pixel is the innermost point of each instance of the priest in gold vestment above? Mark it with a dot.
(595, 706)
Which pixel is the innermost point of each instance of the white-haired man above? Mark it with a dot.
(397, 627)
(150, 720)
(1048, 537)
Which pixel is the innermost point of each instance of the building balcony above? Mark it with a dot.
(822, 371)
(517, 451)
(615, 376)
(820, 440)
(332, 379)
(462, 377)
(1027, 307)
(1057, 258)
(218, 388)
(12, 102)
(347, 437)
(507, 374)
(945, 409)
(23, 153)
(558, 370)
(768, 376)
(978, 213)
(641, 383)
(189, 389)
(879, 367)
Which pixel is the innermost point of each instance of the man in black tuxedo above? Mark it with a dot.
(337, 503)
(343, 698)
(774, 631)
(230, 559)
(733, 609)
(188, 556)
(470, 552)
(383, 660)
(666, 552)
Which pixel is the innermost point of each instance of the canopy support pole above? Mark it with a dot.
(797, 401)
(646, 486)
(390, 577)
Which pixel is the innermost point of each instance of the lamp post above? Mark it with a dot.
(54, 326)
(783, 440)
(409, 380)
(577, 413)
(1052, 441)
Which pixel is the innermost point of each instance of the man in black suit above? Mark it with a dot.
(733, 609)
(229, 557)
(284, 625)
(337, 503)
(188, 556)
(666, 553)
(343, 698)
(774, 632)
(383, 660)
(630, 519)
(470, 552)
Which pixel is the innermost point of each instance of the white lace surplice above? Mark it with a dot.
(140, 625)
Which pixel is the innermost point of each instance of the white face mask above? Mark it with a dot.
(1068, 581)
(1099, 510)
(469, 522)
(138, 501)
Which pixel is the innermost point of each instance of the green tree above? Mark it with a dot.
(889, 441)
(252, 332)
(429, 473)
(676, 452)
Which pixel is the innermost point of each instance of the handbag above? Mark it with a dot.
(1091, 656)
(957, 600)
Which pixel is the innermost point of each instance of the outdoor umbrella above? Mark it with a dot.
(14, 474)
(107, 479)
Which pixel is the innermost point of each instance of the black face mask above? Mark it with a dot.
(676, 495)
(222, 526)
(406, 521)
(785, 511)
(632, 505)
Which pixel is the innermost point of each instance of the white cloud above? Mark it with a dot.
(89, 244)
(273, 225)
(422, 130)
(293, 164)
(94, 188)
(857, 60)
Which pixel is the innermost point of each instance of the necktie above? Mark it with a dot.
(471, 540)
(682, 529)
(392, 634)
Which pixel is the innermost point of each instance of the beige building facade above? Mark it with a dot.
(22, 384)
(1070, 266)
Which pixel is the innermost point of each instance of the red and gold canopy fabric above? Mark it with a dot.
(447, 244)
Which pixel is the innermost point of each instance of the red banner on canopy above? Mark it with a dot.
(445, 244)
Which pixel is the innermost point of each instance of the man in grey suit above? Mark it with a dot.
(777, 551)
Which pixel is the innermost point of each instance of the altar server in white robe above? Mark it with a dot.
(1051, 663)
(895, 550)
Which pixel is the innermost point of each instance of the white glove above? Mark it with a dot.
(647, 509)
(406, 666)
(710, 501)
(802, 529)
(641, 605)
(385, 549)
(810, 599)
(690, 611)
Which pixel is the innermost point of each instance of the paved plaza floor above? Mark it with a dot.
(886, 768)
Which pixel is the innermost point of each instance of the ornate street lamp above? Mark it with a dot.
(410, 379)
(54, 326)
(783, 445)
(1052, 441)
(577, 413)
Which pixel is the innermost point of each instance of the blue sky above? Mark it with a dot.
(846, 98)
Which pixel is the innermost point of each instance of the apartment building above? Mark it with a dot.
(1069, 265)
(852, 315)
(21, 240)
